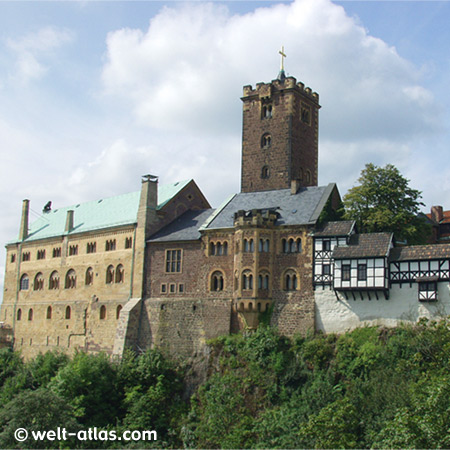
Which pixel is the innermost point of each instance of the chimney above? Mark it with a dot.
(295, 186)
(23, 233)
(437, 213)
(69, 221)
(148, 203)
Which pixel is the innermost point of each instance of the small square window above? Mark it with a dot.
(172, 288)
(164, 289)
(181, 288)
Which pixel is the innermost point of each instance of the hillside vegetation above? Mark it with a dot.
(372, 387)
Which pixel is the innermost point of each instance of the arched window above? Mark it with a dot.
(266, 140)
(308, 177)
(24, 282)
(217, 283)
(212, 248)
(49, 312)
(267, 112)
(103, 312)
(265, 172)
(68, 312)
(118, 309)
(225, 248)
(38, 284)
(263, 280)
(71, 279)
(284, 245)
(219, 248)
(247, 280)
(119, 274)
(110, 274)
(30, 314)
(53, 282)
(19, 314)
(298, 245)
(290, 280)
(89, 278)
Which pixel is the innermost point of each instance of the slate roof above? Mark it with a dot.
(341, 228)
(302, 208)
(370, 245)
(420, 252)
(184, 228)
(98, 214)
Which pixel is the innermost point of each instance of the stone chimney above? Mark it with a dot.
(23, 233)
(437, 213)
(69, 221)
(295, 186)
(148, 203)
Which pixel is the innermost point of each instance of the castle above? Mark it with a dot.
(160, 267)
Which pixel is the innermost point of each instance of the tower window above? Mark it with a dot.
(217, 283)
(306, 114)
(266, 140)
(265, 172)
(266, 112)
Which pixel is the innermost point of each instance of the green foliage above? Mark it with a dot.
(368, 388)
(152, 389)
(383, 201)
(88, 384)
(38, 410)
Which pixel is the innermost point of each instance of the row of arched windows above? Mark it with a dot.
(218, 248)
(290, 280)
(291, 245)
(67, 313)
(113, 275)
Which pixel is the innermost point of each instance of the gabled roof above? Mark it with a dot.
(341, 228)
(98, 214)
(420, 252)
(370, 245)
(302, 208)
(184, 228)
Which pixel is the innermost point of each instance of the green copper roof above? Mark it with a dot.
(98, 214)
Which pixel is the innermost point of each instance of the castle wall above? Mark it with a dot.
(182, 326)
(336, 314)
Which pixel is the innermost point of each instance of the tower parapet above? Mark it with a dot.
(279, 135)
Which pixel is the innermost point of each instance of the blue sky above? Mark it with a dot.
(95, 94)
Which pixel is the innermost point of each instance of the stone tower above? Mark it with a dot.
(280, 135)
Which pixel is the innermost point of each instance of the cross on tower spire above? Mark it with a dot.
(283, 55)
(282, 75)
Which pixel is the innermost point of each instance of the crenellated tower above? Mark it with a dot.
(279, 136)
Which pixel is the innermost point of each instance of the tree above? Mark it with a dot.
(383, 201)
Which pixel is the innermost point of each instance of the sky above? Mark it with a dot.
(94, 94)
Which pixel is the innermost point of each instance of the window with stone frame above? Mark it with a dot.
(173, 261)
(71, 279)
(53, 282)
(120, 274)
(89, 279)
(290, 280)
(38, 284)
(247, 280)
(217, 281)
(56, 252)
(266, 141)
(24, 282)
(91, 247)
(110, 245)
(266, 111)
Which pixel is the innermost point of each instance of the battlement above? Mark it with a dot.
(266, 90)
(256, 217)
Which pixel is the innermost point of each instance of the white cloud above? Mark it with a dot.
(33, 49)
